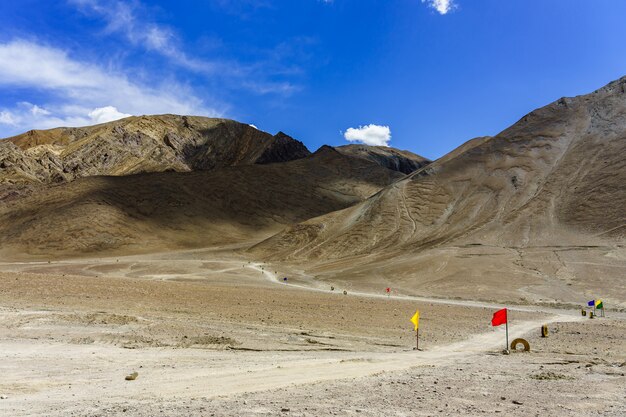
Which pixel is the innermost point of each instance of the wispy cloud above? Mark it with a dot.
(79, 92)
(124, 18)
(131, 20)
(441, 6)
(374, 135)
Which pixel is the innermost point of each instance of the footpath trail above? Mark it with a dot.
(271, 277)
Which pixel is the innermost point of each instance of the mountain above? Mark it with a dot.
(544, 199)
(395, 159)
(533, 213)
(172, 210)
(139, 145)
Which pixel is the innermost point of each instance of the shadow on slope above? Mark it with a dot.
(162, 211)
(557, 176)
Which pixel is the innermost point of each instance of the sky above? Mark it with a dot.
(421, 75)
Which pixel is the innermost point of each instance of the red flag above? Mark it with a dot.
(388, 289)
(499, 317)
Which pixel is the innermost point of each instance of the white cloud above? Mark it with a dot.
(7, 118)
(38, 111)
(26, 116)
(441, 6)
(80, 92)
(106, 114)
(374, 135)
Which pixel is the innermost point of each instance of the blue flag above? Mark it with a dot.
(591, 303)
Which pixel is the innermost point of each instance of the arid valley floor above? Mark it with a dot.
(211, 333)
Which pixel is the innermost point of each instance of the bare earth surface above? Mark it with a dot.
(212, 333)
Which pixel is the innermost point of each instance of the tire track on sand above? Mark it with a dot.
(313, 370)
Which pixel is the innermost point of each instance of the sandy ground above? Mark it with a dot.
(211, 334)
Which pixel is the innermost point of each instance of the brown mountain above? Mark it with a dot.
(544, 200)
(138, 145)
(170, 210)
(395, 159)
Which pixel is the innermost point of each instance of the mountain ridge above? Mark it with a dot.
(141, 144)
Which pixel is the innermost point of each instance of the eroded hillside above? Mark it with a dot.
(538, 209)
(139, 145)
(161, 211)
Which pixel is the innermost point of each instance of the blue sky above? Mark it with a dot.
(422, 75)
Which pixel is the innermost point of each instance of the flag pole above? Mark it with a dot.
(417, 339)
(507, 334)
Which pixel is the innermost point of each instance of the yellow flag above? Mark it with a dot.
(416, 319)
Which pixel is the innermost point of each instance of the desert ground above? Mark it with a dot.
(212, 332)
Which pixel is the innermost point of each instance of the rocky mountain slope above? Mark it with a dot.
(544, 199)
(558, 170)
(138, 145)
(402, 161)
(169, 210)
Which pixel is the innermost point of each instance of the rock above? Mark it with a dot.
(517, 402)
(139, 145)
(132, 376)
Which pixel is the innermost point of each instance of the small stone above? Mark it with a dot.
(517, 402)
(284, 410)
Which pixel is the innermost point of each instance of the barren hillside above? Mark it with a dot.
(161, 211)
(555, 180)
